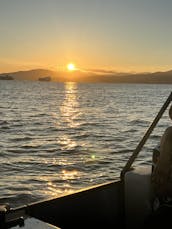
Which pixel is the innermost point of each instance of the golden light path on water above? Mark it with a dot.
(70, 107)
(69, 113)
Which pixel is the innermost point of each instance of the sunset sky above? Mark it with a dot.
(119, 35)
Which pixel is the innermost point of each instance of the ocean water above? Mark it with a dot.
(56, 138)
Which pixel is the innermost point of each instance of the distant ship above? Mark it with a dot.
(47, 78)
(6, 77)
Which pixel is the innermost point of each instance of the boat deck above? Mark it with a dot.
(35, 223)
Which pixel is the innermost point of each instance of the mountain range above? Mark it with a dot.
(81, 76)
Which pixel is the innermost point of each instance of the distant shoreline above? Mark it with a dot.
(80, 77)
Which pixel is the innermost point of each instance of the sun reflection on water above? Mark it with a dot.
(66, 143)
(70, 120)
(52, 188)
(70, 116)
(69, 109)
(69, 174)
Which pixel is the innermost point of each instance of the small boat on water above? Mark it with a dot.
(6, 77)
(47, 78)
(126, 203)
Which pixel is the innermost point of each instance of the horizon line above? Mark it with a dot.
(100, 71)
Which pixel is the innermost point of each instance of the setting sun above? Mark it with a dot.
(71, 67)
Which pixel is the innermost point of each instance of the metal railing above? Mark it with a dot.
(127, 167)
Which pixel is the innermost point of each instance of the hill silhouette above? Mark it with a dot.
(79, 76)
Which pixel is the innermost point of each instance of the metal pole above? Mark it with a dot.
(146, 136)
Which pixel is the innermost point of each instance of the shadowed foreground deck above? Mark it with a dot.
(100, 206)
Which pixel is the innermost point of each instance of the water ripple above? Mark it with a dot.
(57, 138)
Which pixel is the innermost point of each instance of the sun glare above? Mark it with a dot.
(71, 67)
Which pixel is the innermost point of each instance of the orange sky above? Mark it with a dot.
(125, 36)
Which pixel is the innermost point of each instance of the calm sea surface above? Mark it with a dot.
(56, 138)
